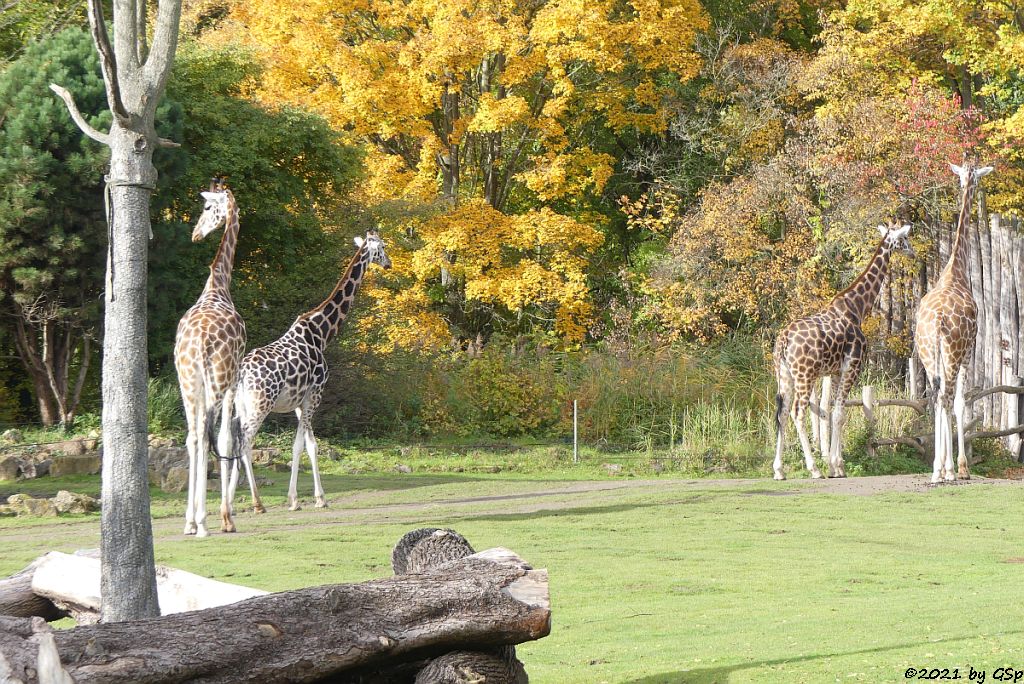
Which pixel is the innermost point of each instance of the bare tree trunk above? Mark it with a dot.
(129, 581)
(134, 77)
(24, 343)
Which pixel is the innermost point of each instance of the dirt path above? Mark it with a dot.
(357, 508)
(567, 496)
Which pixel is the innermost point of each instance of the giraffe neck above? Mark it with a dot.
(223, 261)
(956, 268)
(336, 307)
(860, 296)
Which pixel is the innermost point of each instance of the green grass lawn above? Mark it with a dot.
(656, 581)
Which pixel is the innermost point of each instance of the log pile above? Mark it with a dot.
(449, 621)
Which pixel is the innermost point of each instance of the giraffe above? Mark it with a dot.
(207, 349)
(829, 342)
(290, 374)
(947, 323)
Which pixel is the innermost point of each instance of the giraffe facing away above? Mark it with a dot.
(290, 374)
(947, 324)
(829, 343)
(207, 350)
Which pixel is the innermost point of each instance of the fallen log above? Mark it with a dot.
(483, 601)
(17, 598)
(58, 584)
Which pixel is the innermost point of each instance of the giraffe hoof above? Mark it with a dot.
(816, 475)
(258, 508)
(227, 528)
(190, 528)
(964, 476)
(201, 533)
(780, 476)
(295, 507)
(320, 503)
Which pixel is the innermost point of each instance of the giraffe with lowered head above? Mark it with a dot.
(831, 343)
(207, 349)
(947, 323)
(290, 373)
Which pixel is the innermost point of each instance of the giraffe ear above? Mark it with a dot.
(883, 229)
(956, 169)
(902, 232)
(983, 171)
(209, 196)
(358, 240)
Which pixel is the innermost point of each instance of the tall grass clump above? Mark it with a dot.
(165, 412)
(676, 397)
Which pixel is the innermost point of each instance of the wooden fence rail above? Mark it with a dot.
(921, 441)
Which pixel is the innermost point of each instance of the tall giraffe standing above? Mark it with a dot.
(829, 342)
(290, 374)
(207, 349)
(947, 323)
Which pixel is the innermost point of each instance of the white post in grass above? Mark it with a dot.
(575, 432)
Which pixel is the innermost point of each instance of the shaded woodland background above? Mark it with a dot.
(614, 202)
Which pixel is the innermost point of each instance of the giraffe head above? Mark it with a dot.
(374, 247)
(215, 211)
(896, 238)
(968, 172)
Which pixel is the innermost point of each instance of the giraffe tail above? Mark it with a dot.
(778, 413)
(236, 435)
(211, 429)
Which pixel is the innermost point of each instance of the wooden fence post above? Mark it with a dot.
(1011, 416)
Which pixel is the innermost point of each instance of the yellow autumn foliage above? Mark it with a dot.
(477, 109)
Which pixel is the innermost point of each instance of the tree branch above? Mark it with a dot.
(165, 41)
(76, 115)
(141, 47)
(107, 63)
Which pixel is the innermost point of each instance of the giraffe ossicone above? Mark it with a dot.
(829, 343)
(290, 373)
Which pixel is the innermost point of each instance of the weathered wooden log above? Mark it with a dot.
(64, 584)
(426, 548)
(486, 600)
(18, 600)
(472, 667)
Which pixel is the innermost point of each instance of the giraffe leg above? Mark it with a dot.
(192, 447)
(248, 418)
(841, 387)
(960, 411)
(307, 431)
(948, 474)
(257, 503)
(801, 431)
(824, 412)
(293, 483)
(939, 461)
(227, 466)
(783, 402)
(200, 472)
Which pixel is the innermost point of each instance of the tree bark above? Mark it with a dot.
(134, 78)
(485, 600)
